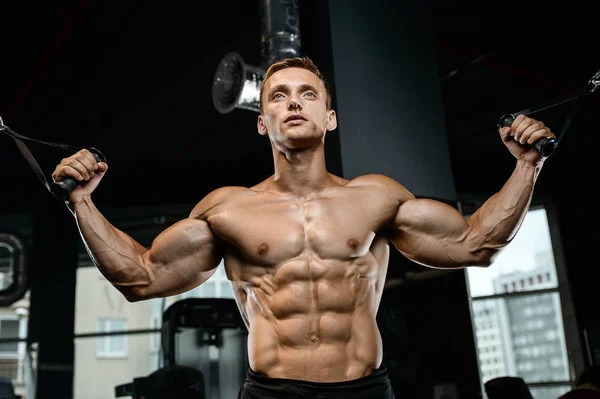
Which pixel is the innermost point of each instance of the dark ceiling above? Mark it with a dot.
(133, 78)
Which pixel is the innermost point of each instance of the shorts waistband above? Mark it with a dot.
(378, 377)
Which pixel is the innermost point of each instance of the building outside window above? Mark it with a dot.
(517, 313)
(103, 362)
(111, 346)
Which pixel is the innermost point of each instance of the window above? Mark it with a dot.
(517, 301)
(9, 328)
(111, 346)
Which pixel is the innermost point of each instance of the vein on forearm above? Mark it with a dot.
(116, 255)
(500, 217)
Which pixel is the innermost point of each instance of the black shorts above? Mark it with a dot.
(373, 386)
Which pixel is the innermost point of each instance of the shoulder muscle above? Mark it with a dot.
(384, 183)
(218, 197)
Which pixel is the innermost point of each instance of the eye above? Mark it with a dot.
(277, 96)
(310, 93)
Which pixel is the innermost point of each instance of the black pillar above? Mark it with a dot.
(389, 104)
(53, 279)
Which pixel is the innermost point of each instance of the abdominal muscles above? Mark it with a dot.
(314, 319)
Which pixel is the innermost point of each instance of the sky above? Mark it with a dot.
(532, 238)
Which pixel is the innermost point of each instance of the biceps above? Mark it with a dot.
(182, 257)
(188, 242)
(434, 234)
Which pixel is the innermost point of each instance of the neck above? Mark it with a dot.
(301, 171)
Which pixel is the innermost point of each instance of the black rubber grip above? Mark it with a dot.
(545, 146)
(65, 187)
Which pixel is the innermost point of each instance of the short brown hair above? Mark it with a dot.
(295, 62)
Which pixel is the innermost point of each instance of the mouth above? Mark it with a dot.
(295, 119)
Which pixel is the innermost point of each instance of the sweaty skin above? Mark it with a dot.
(306, 251)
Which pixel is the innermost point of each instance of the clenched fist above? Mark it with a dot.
(522, 134)
(82, 167)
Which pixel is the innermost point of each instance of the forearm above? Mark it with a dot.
(118, 256)
(497, 221)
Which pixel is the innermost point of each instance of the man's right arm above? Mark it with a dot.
(180, 258)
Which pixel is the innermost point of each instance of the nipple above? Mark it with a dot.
(352, 243)
(263, 249)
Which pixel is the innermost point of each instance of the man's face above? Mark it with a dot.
(295, 109)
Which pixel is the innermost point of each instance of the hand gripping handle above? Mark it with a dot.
(63, 188)
(545, 146)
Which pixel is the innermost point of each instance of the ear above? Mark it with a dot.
(331, 123)
(260, 125)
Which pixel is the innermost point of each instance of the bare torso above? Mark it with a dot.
(308, 274)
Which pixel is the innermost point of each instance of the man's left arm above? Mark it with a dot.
(435, 234)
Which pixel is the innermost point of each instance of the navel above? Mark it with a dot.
(263, 249)
(352, 243)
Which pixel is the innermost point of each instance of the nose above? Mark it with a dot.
(293, 104)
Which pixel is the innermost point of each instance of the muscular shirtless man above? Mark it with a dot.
(306, 251)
